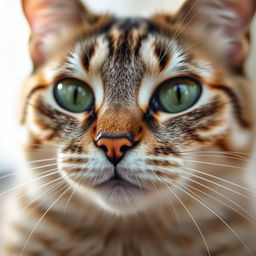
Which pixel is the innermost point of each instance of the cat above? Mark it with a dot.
(136, 134)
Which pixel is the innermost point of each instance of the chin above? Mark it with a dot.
(127, 201)
(121, 196)
(116, 196)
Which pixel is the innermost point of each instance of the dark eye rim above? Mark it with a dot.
(74, 79)
(155, 104)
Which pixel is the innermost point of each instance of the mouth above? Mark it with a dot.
(118, 190)
(116, 181)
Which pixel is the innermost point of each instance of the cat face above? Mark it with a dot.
(122, 102)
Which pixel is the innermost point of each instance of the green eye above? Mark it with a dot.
(179, 94)
(73, 95)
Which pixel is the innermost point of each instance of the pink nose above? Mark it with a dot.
(114, 147)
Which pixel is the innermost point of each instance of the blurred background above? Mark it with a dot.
(15, 63)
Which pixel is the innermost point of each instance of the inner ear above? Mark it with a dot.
(49, 20)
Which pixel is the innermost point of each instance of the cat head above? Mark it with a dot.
(120, 104)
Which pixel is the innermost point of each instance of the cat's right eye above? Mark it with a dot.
(73, 95)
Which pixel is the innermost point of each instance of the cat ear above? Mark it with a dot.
(223, 23)
(49, 20)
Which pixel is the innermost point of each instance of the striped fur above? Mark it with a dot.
(187, 192)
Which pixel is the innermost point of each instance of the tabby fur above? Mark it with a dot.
(190, 167)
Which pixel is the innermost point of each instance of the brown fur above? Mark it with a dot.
(185, 173)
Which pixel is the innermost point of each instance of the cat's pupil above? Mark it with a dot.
(179, 94)
(75, 96)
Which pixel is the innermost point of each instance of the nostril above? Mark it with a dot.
(105, 149)
(124, 148)
(114, 147)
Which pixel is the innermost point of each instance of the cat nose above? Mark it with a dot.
(114, 147)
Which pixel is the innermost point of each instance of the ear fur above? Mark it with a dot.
(223, 23)
(49, 20)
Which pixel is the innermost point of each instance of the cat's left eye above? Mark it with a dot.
(177, 94)
(73, 95)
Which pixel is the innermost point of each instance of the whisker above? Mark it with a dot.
(42, 166)
(214, 213)
(175, 213)
(44, 145)
(38, 150)
(42, 186)
(218, 193)
(32, 168)
(39, 221)
(215, 164)
(51, 189)
(216, 152)
(251, 219)
(49, 173)
(219, 185)
(216, 155)
(42, 160)
(71, 196)
(185, 170)
(8, 175)
(172, 206)
(60, 157)
(219, 178)
(193, 219)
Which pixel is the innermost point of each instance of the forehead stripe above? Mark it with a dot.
(163, 56)
(236, 105)
(87, 57)
(32, 92)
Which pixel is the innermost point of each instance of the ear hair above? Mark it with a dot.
(49, 20)
(224, 24)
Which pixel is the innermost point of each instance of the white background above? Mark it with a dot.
(15, 63)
